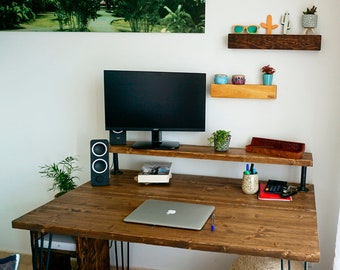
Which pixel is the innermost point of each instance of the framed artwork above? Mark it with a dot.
(168, 16)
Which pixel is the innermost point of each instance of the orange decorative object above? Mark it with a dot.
(269, 26)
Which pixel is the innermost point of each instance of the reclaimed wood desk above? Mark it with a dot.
(243, 224)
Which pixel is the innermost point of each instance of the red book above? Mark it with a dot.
(267, 196)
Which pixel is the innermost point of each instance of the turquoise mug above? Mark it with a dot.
(221, 79)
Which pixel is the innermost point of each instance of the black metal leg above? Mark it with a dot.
(48, 251)
(115, 170)
(34, 243)
(128, 256)
(41, 251)
(38, 252)
(303, 179)
(122, 253)
(306, 265)
(116, 255)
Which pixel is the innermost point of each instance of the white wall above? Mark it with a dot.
(51, 105)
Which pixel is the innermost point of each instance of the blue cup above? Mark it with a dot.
(221, 79)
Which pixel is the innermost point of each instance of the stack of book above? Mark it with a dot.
(269, 196)
(155, 172)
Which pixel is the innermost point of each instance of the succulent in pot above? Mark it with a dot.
(310, 19)
(268, 72)
(220, 139)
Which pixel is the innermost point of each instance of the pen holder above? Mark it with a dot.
(250, 183)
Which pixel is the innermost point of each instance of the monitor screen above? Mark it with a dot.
(154, 101)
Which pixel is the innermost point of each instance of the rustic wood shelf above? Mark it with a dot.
(208, 153)
(257, 91)
(274, 42)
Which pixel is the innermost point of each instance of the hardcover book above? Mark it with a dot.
(155, 172)
(268, 196)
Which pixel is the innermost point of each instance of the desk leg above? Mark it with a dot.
(38, 254)
(92, 254)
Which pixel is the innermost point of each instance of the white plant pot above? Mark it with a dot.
(309, 20)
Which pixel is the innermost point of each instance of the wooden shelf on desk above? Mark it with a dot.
(257, 91)
(208, 153)
(274, 42)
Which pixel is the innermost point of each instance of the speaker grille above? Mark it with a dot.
(99, 149)
(99, 165)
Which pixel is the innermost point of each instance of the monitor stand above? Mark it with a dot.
(156, 143)
(168, 145)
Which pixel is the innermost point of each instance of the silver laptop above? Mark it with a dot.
(171, 214)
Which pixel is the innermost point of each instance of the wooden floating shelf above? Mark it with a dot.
(257, 91)
(274, 42)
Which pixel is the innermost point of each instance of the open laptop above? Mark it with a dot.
(171, 214)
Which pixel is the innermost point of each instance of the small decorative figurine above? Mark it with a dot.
(269, 26)
(285, 22)
(251, 29)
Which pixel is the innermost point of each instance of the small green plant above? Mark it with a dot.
(268, 69)
(311, 10)
(219, 138)
(62, 175)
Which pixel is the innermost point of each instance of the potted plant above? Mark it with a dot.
(220, 139)
(62, 175)
(309, 19)
(268, 72)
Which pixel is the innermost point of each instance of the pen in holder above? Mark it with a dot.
(250, 183)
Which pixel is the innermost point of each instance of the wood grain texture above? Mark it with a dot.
(92, 253)
(256, 91)
(206, 152)
(244, 224)
(274, 42)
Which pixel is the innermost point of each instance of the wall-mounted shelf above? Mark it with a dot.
(274, 42)
(257, 91)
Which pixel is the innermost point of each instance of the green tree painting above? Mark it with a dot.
(173, 16)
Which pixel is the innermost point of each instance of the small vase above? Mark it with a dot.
(238, 79)
(267, 79)
(222, 147)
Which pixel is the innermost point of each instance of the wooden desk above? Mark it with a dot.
(244, 225)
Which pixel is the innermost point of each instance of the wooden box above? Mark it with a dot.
(276, 148)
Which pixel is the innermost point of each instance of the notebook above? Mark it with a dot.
(171, 214)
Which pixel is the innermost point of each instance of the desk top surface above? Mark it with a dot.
(243, 224)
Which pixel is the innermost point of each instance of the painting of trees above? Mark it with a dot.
(174, 16)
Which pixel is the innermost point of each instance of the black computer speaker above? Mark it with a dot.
(100, 171)
(117, 137)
